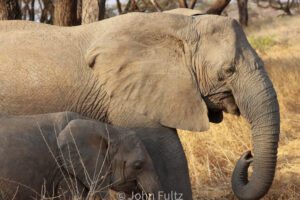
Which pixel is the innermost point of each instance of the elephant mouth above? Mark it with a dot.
(215, 116)
(219, 102)
(128, 187)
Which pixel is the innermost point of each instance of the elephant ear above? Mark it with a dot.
(84, 152)
(149, 73)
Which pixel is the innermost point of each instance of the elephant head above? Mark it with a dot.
(235, 81)
(132, 166)
(101, 156)
(184, 72)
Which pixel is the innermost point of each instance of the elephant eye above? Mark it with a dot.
(138, 165)
(229, 71)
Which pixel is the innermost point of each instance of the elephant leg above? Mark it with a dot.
(170, 163)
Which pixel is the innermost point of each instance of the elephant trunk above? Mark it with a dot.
(258, 103)
(149, 183)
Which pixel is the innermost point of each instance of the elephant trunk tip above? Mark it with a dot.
(241, 186)
(239, 178)
(240, 172)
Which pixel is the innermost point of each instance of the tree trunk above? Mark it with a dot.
(47, 11)
(79, 12)
(192, 4)
(14, 10)
(65, 12)
(243, 12)
(156, 5)
(92, 10)
(10, 9)
(119, 6)
(127, 7)
(134, 6)
(217, 7)
(3, 10)
(32, 11)
(287, 9)
(183, 4)
(102, 9)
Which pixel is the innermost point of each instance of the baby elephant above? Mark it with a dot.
(63, 155)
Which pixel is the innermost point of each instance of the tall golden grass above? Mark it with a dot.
(212, 154)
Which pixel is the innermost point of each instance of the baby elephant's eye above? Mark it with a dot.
(138, 165)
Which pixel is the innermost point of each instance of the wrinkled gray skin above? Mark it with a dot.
(147, 70)
(112, 157)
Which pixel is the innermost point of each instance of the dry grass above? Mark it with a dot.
(212, 154)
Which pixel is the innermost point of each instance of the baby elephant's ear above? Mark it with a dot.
(80, 131)
(84, 146)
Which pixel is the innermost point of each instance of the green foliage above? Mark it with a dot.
(262, 43)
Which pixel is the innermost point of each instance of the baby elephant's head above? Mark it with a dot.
(132, 167)
(102, 156)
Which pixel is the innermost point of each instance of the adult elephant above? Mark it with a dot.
(150, 70)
